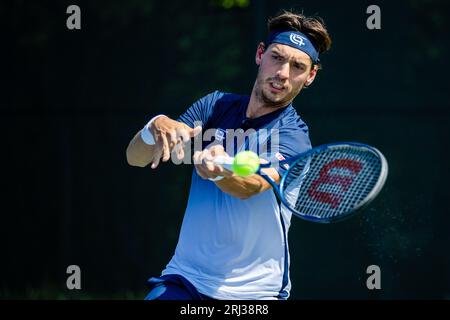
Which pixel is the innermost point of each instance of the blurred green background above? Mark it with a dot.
(72, 100)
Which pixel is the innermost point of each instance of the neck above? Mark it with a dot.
(257, 107)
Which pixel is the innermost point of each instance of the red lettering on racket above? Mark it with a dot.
(326, 177)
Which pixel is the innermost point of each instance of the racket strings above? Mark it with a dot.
(364, 182)
(329, 183)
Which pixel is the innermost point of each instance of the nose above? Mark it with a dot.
(283, 72)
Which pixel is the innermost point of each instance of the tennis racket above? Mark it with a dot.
(328, 183)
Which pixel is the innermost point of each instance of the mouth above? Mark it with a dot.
(276, 87)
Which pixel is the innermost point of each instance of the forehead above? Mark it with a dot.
(290, 52)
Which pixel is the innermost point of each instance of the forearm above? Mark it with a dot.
(232, 184)
(164, 135)
(138, 152)
(243, 187)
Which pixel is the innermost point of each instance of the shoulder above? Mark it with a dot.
(293, 134)
(225, 98)
(220, 96)
(292, 123)
(223, 103)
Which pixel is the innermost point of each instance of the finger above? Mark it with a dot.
(195, 131)
(220, 170)
(216, 169)
(156, 156)
(217, 150)
(206, 161)
(210, 165)
(183, 134)
(179, 150)
(173, 140)
(165, 148)
(204, 155)
(196, 157)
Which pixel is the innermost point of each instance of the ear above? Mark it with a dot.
(312, 75)
(259, 53)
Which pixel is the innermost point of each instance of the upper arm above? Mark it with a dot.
(291, 142)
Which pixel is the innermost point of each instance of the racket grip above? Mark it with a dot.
(224, 161)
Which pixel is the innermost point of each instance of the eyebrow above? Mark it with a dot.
(275, 51)
(300, 63)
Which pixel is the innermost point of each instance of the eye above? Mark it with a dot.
(298, 66)
(276, 57)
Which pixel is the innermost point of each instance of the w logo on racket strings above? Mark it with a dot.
(327, 177)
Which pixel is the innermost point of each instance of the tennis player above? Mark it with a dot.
(233, 241)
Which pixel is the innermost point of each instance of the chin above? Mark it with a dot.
(273, 101)
(274, 98)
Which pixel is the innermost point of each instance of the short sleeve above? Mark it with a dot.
(291, 142)
(200, 111)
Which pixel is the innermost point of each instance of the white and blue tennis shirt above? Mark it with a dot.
(230, 248)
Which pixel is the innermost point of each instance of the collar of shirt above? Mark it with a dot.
(258, 122)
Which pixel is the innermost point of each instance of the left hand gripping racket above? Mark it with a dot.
(327, 183)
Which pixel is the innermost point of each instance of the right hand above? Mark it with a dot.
(170, 135)
(205, 166)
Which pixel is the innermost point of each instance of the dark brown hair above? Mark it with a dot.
(313, 27)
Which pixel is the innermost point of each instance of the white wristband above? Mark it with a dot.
(146, 134)
(216, 178)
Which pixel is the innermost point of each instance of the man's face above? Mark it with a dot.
(283, 71)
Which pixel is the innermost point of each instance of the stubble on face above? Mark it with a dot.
(269, 100)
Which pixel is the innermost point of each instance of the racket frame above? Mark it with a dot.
(278, 189)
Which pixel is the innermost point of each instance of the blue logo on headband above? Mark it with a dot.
(296, 40)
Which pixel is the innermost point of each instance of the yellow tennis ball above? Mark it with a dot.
(245, 163)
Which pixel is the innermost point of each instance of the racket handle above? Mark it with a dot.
(224, 161)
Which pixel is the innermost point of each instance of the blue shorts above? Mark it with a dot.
(173, 287)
